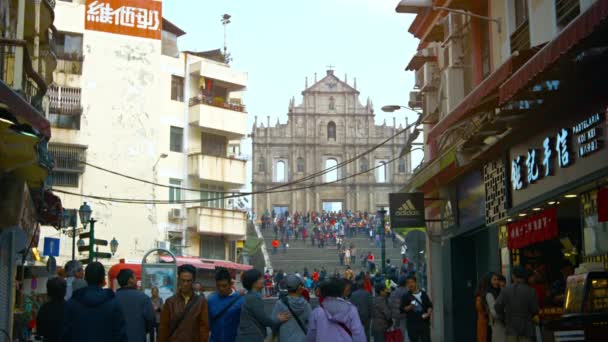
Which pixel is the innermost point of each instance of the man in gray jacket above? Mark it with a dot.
(137, 307)
(363, 301)
(518, 304)
(295, 329)
(394, 302)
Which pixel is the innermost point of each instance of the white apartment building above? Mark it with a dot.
(126, 99)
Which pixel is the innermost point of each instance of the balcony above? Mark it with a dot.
(211, 169)
(218, 117)
(217, 221)
(219, 71)
(65, 108)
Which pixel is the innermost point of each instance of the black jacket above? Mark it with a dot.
(50, 320)
(414, 317)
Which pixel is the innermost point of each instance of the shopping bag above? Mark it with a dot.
(393, 335)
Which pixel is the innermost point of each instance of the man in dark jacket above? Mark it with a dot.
(394, 302)
(50, 315)
(93, 313)
(136, 306)
(518, 304)
(363, 301)
(418, 309)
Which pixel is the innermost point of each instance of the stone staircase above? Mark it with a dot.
(301, 254)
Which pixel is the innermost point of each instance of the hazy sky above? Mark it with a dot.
(280, 42)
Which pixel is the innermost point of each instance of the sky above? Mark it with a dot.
(280, 42)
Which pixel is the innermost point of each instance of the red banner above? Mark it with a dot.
(602, 205)
(536, 228)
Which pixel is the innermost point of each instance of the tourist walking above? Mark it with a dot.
(184, 317)
(296, 328)
(254, 320)
(157, 304)
(347, 255)
(74, 278)
(49, 321)
(394, 303)
(335, 320)
(518, 304)
(496, 322)
(363, 301)
(136, 306)
(418, 308)
(224, 309)
(480, 308)
(381, 314)
(403, 253)
(93, 314)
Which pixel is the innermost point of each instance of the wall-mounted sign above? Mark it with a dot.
(568, 144)
(51, 247)
(139, 18)
(407, 210)
(494, 176)
(533, 229)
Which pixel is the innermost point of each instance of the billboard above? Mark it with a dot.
(407, 211)
(137, 18)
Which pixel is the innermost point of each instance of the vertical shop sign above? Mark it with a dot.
(407, 210)
(536, 228)
(138, 18)
(496, 195)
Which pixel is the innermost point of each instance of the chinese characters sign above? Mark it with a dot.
(565, 146)
(536, 228)
(139, 18)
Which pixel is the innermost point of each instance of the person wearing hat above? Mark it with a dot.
(518, 304)
(295, 329)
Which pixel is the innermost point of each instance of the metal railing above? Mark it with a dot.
(566, 11)
(216, 102)
(520, 38)
(65, 108)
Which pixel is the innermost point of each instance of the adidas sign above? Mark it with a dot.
(407, 209)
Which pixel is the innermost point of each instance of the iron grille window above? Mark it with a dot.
(176, 139)
(213, 247)
(68, 164)
(566, 11)
(177, 88)
(175, 193)
(65, 108)
(66, 179)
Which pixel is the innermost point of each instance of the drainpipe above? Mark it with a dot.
(186, 145)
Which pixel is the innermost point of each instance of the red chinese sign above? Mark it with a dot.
(139, 18)
(536, 228)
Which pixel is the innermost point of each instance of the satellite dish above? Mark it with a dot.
(15, 237)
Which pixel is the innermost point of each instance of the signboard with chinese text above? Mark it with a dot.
(536, 228)
(138, 18)
(567, 151)
(407, 210)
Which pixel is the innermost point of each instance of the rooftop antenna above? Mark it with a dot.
(225, 21)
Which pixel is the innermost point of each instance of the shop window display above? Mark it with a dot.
(595, 233)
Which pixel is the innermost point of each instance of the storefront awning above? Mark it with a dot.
(20, 108)
(479, 94)
(580, 28)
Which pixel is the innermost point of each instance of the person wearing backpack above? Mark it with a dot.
(224, 309)
(296, 328)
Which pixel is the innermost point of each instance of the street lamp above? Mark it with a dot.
(382, 216)
(113, 245)
(85, 214)
(415, 6)
(393, 108)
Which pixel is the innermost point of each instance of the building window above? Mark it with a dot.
(212, 197)
(175, 191)
(300, 165)
(381, 172)
(363, 164)
(281, 171)
(566, 11)
(332, 175)
(214, 145)
(331, 131)
(262, 165)
(401, 165)
(521, 12)
(177, 88)
(176, 139)
(332, 103)
(213, 247)
(69, 46)
(68, 167)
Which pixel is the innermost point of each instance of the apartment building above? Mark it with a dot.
(512, 107)
(27, 61)
(126, 99)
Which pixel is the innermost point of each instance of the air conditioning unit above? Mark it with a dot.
(175, 214)
(162, 244)
(415, 100)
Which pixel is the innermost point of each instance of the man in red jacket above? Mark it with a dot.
(275, 246)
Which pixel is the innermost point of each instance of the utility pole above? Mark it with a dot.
(225, 21)
(91, 241)
(382, 214)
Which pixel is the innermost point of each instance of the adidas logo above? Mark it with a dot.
(407, 209)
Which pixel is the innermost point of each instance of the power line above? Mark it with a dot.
(242, 194)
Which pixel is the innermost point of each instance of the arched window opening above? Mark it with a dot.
(331, 130)
(280, 178)
(332, 175)
(381, 172)
(332, 103)
(300, 164)
(363, 165)
(262, 165)
(401, 165)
